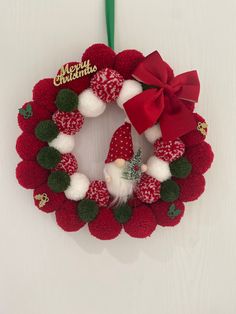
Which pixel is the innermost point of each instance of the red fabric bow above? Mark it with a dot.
(164, 102)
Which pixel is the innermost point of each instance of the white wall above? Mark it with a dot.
(190, 269)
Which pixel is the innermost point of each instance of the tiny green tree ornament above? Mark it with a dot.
(133, 169)
(173, 211)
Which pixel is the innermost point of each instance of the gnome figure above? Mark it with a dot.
(119, 155)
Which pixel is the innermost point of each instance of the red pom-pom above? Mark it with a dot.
(168, 214)
(45, 92)
(68, 122)
(105, 226)
(30, 175)
(126, 61)
(67, 217)
(196, 136)
(169, 150)
(191, 187)
(106, 84)
(38, 113)
(142, 222)
(68, 164)
(77, 85)
(28, 146)
(148, 189)
(100, 55)
(134, 202)
(46, 200)
(98, 192)
(200, 156)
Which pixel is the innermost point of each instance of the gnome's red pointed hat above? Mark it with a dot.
(121, 145)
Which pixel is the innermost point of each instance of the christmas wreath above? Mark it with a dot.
(134, 196)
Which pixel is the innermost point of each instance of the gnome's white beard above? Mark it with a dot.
(117, 186)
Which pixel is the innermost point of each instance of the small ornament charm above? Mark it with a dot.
(27, 112)
(133, 170)
(202, 128)
(42, 198)
(173, 211)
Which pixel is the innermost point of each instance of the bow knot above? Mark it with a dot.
(166, 100)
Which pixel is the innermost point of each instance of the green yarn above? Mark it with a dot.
(87, 210)
(46, 130)
(180, 168)
(58, 181)
(173, 211)
(66, 100)
(48, 157)
(122, 213)
(169, 191)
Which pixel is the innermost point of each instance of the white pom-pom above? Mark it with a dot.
(158, 169)
(63, 142)
(129, 89)
(153, 133)
(79, 185)
(117, 186)
(90, 105)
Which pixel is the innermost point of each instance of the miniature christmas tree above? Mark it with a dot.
(133, 168)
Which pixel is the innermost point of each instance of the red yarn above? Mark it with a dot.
(106, 84)
(28, 146)
(30, 175)
(68, 122)
(142, 222)
(105, 226)
(45, 92)
(191, 187)
(195, 137)
(54, 200)
(169, 150)
(39, 113)
(148, 189)
(126, 61)
(160, 210)
(134, 202)
(200, 156)
(121, 145)
(67, 217)
(98, 192)
(100, 55)
(77, 85)
(68, 164)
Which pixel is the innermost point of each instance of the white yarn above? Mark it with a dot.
(90, 105)
(63, 143)
(158, 169)
(153, 133)
(78, 187)
(129, 89)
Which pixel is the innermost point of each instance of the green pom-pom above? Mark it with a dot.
(58, 181)
(66, 100)
(46, 130)
(169, 191)
(122, 213)
(48, 157)
(87, 210)
(180, 168)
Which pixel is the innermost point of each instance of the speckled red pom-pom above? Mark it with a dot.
(38, 113)
(98, 192)
(169, 150)
(45, 92)
(68, 164)
(148, 189)
(106, 84)
(164, 215)
(28, 146)
(105, 226)
(196, 136)
(100, 55)
(191, 187)
(68, 122)
(126, 61)
(78, 84)
(200, 157)
(142, 223)
(30, 175)
(67, 217)
(46, 200)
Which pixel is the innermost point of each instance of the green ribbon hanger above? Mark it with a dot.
(110, 21)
